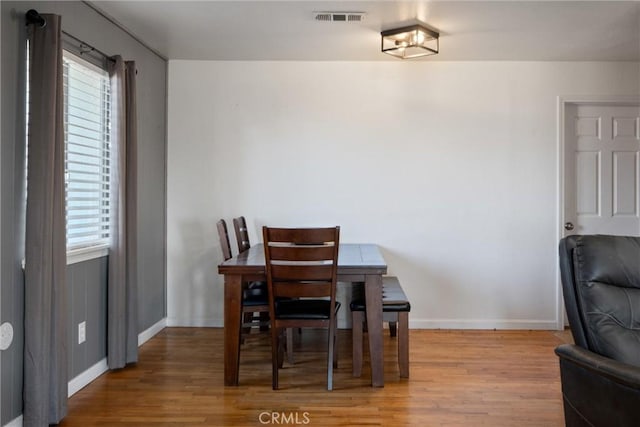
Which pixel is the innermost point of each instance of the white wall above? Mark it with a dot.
(451, 167)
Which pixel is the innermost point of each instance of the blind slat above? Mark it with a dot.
(87, 203)
(100, 218)
(92, 147)
(89, 181)
(77, 235)
(71, 163)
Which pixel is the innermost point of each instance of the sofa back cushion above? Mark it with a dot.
(607, 284)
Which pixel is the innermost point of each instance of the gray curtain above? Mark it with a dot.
(45, 317)
(122, 324)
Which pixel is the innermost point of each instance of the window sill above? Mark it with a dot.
(83, 254)
(75, 256)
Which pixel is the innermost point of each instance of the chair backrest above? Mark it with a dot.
(223, 234)
(601, 288)
(301, 262)
(242, 234)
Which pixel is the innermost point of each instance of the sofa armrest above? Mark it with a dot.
(610, 368)
(598, 391)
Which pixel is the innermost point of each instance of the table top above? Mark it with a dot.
(353, 258)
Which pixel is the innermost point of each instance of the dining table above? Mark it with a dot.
(357, 263)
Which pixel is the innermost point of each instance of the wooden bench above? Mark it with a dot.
(395, 308)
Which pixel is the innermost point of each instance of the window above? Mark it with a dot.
(87, 97)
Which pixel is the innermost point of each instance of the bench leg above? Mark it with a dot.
(403, 343)
(335, 344)
(289, 335)
(357, 318)
(392, 329)
(247, 318)
(264, 319)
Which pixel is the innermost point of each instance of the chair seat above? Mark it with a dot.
(255, 296)
(254, 302)
(304, 309)
(258, 285)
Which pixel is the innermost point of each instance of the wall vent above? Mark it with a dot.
(339, 16)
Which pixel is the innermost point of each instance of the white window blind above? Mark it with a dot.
(87, 142)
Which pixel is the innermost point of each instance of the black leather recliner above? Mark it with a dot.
(600, 374)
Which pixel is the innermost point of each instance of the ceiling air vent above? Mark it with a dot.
(339, 16)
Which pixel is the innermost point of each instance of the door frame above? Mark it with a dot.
(563, 103)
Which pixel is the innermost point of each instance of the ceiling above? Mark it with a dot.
(470, 30)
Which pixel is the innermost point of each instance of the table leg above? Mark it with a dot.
(373, 294)
(232, 325)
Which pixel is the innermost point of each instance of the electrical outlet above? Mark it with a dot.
(6, 335)
(82, 332)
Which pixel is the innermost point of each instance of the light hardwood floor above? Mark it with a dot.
(457, 378)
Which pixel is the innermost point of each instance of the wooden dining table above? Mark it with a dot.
(357, 263)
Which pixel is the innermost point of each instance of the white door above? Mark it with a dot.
(602, 169)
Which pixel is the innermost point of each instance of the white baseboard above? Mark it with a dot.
(82, 380)
(86, 377)
(413, 323)
(189, 322)
(499, 324)
(184, 322)
(16, 422)
(149, 333)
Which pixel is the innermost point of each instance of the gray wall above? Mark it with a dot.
(87, 299)
(87, 280)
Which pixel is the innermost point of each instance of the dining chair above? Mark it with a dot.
(301, 266)
(242, 234)
(242, 239)
(254, 294)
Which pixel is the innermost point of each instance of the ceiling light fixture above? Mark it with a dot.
(410, 42)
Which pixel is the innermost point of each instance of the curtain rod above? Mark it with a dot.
(33, 17)
(86, 48)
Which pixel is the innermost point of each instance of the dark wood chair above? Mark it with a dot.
(254, 295)
(301, 268)
(242, 239)
(223, 235)
(242, 234)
